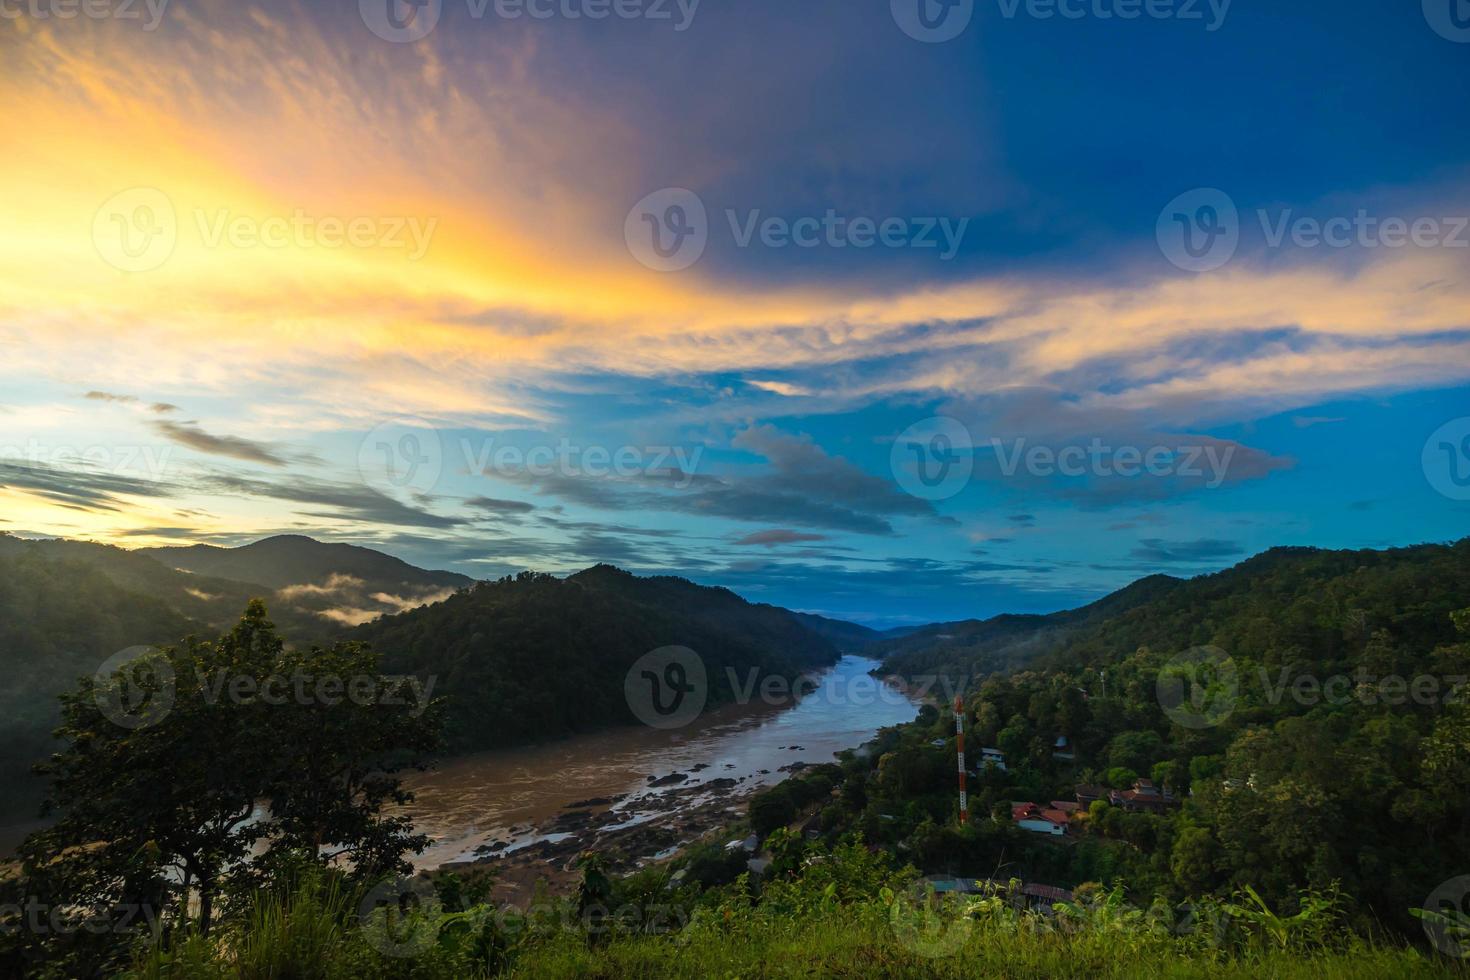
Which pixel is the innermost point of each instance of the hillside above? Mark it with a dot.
(293, 559)
(1280, 598)
(59, 620)
(974, 647)
(847, 637)
(315, 590)
(536, 657)
(1322, 743)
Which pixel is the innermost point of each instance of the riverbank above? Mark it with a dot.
(631, 832)
(641, 791)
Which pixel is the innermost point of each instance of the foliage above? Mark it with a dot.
(533, 657)
(219, 764)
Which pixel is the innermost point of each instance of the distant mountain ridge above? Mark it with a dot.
(848, 637)
(1169, 613)
(293, 559)
(315, 589)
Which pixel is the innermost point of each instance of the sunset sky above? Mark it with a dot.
(264, 271)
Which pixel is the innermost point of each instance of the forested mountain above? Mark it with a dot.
(293, 559)
(536, 657)
(1319, 736)
(975, 647)
(315, 590)
(59, 620)
(847, 637)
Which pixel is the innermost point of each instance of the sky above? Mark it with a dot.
(893, 310)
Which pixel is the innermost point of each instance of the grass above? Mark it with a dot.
(317, 937)
(864, 943)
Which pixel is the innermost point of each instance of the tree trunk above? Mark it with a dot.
(206, 905)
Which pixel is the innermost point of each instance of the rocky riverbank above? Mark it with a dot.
(631, 830)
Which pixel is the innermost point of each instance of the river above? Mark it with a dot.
(515, 800)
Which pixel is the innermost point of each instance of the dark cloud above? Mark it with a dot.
(78, 488)
(188, 533)
(1160, 552)
(495, 506)
(805, 469)
(189, 434)
(1041, 440)
(162, 408)
(802, 485)
(775, 537)
(345, 501)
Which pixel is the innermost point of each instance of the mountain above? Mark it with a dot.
(291, 559)
(522, 659)
(59, 620)
(1306, 710)
(847, 637)
(315, 590)
(536, 657)
(975, 647)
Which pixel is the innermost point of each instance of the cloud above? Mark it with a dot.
(775, 537)
(105, 396)
(1161, 552)
(79, 488)
(800, 484)
(189, 434)
(496, 506)
(342, 501)
(159, 408)
(342, 598)
(779, 388)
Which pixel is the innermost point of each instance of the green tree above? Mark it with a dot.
(183, 761)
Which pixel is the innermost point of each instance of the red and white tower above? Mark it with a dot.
(959, 734)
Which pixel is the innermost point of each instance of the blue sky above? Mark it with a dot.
(220, 365)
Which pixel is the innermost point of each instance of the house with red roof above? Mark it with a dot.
(1029, 816)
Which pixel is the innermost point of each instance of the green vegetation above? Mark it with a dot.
(1307, 822)
(839, 911)
(535, 657)
(525, 659)
(59, 620)
(201, 773)
(1358, 782)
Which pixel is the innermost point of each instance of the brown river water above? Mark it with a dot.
(511, 795)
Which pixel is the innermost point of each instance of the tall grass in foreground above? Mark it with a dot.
(801, 929)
